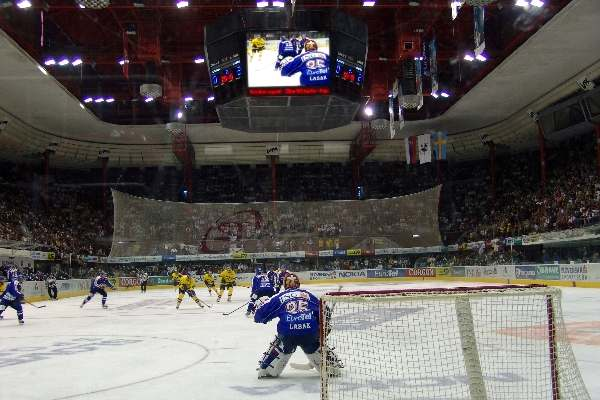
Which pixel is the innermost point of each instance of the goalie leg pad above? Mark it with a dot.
(273, 361)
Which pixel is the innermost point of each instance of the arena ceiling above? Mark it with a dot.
(47, 110)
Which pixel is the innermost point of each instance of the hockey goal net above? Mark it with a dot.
(503, 342)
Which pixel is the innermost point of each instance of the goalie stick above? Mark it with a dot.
(240, 307)
(309, 366)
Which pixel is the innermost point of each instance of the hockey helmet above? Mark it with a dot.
(310, 45)
(291, 282)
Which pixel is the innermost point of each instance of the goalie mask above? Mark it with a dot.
(291, 282)
(310, 45)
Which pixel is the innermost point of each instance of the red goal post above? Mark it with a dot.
(480, 343)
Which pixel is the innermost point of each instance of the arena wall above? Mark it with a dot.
(572, 275)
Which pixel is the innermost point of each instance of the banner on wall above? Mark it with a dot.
(386, 273)
(575, 272)
(549, 272)
(421, 272)
(525, 272)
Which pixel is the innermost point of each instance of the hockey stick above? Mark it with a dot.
(240, 307)
(33, 305)
(206, 304)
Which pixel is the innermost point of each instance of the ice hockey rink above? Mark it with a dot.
(143, 348)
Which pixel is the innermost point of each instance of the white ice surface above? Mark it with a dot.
(142, 348)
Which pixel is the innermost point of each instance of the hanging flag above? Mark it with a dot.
(424, 143)
(410, 146)
(439, 141)
(479, 33)
(433, 66)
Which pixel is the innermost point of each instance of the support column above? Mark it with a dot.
(492, 148)
(104, 161)
(46, 171)
(273, 178)
(542, 148)
(597, 127)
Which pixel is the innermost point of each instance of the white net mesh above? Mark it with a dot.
(94, 4)
(479, 344)
(411, 102)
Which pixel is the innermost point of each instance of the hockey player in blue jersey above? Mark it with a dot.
(313, 65)
(286, 49)
(262, 286)
(99, 285)
(12, 296)
(298, 313)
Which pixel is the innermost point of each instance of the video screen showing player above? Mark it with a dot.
(288, 59)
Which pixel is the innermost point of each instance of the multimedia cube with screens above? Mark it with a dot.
(271, 72)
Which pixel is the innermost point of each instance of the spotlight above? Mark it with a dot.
(149, 99)
(368, 111)
(469, 57)
(367, 3)
(88, 100)
(81, 6)
(76, 62)
(188, 99)
(444, 95)
(279, 4)
(261, 4)
(522, 3)
(199, 60)
(24, 4)
(110, 100)
(50, 61)
(99, 100)
(179, 115)
(435, 95)
(481, 57)
(123, 61)
(537, 3)
(210, 98)
(63, 62)
(182, 4)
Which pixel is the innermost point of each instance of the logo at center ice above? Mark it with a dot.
(23, 355)
(365, 320)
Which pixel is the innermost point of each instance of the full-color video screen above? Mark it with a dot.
(288, 59)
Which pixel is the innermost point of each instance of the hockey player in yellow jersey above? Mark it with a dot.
(175, 277)
(257, 45)
(209, 281)
(186, 285)
(2, 284)
(227, 281)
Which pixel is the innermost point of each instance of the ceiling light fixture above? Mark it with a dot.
(279, 4)
(199, 60)
(110, 100)
(367, 3)
(537, 3)
(81, 6)
(123, 61)
(182, 4)
(210, 98)
(24, 4)
(262, 4)
(76, 62)
(187, 99)
(179, 115)
(445, 95)
(522, 3)
(99, 100)
(414, 3)
(149, 99)
(469, 57)
(481, 57)
(50, 61)
(435, 95)
(63, 62)
(368, 111)
(88, 100)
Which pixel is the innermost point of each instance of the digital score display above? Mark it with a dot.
(349, 70)
(226, 71)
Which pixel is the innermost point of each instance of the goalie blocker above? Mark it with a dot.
(298, 313)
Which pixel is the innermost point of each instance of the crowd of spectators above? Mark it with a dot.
(68, 215)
